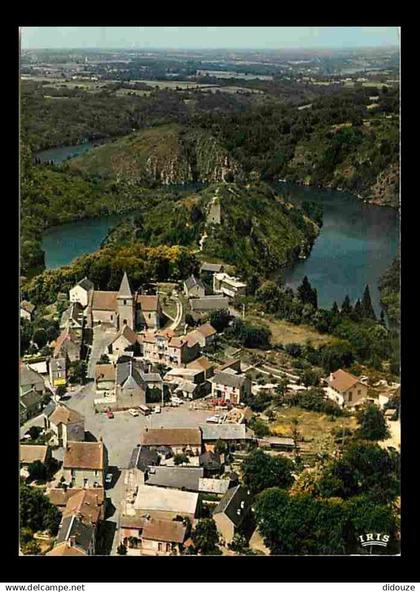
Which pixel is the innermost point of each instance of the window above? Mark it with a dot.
(350, 396)
(159, 546)
(359, 391)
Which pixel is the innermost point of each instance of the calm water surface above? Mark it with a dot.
(357, 243)
(58, 155)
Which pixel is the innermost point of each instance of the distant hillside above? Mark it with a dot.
(362, 159)
(258, 232)
(168, 154)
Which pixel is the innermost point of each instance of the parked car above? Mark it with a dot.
(157, 409)
(133, 412)
(109, 414)
(108, 478)
(213, 419)
(177, 400)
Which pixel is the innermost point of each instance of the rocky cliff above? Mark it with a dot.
(166, 155)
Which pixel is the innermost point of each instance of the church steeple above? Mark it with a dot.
(125, 303)
(125, 289)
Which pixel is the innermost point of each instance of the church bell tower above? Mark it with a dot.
(125, 304)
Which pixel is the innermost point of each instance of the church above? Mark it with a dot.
(112, 308)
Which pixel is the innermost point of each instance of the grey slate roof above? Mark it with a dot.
(86, 284)
(125, 289)
(175, 477)
(73, 526)
(30, 377)
(31, 397)
(142, 457)
(128, 370)
(210, 461)
(225, 431)
(49, 408)
(209, 303)
(193, 281)
(73, 312)
(211, 267)
(234, 504)
(228, 379)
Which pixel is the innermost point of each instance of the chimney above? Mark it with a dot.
(72, 540)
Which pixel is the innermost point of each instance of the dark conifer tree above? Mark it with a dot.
(335, 310)
(307, 294)
(346, 308)
(357, 311)
(367, 308)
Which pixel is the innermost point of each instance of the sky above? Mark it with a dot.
(207, 37)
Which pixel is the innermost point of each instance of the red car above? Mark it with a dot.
(109, 414)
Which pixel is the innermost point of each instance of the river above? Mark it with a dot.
(356, 244)
(59, 155)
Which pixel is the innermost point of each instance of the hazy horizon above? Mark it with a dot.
(209, 38)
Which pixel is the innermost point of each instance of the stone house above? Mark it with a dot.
(29, 453)
(66, 424)
(76, 534)
(88, 503)
(85, 464)
(57, 368)
(204, 335)
(202, 363)
(211, 268)
(81, 292)
(162, 537)
(207, 304)
(148, 311)
(166, 504)
(68, 345)
(151, 536)
(230, 387)
(105, 375)
(178, 440)
(194, 288)
(30, 379)
(130, 390)
(345, 389)
(165, 348)
(231, 511)
(30, 404)
(228, 285)
(72, 318)
(236, 435)
(125, 340)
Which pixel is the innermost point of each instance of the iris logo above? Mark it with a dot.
(376, 539)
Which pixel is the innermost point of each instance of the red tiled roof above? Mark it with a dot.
(104, 300)
(341, 381)
(148, 302)
(170, 531)
(84, 455)
(171, 437)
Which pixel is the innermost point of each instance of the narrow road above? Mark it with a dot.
(101, 339)
(178, 315)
